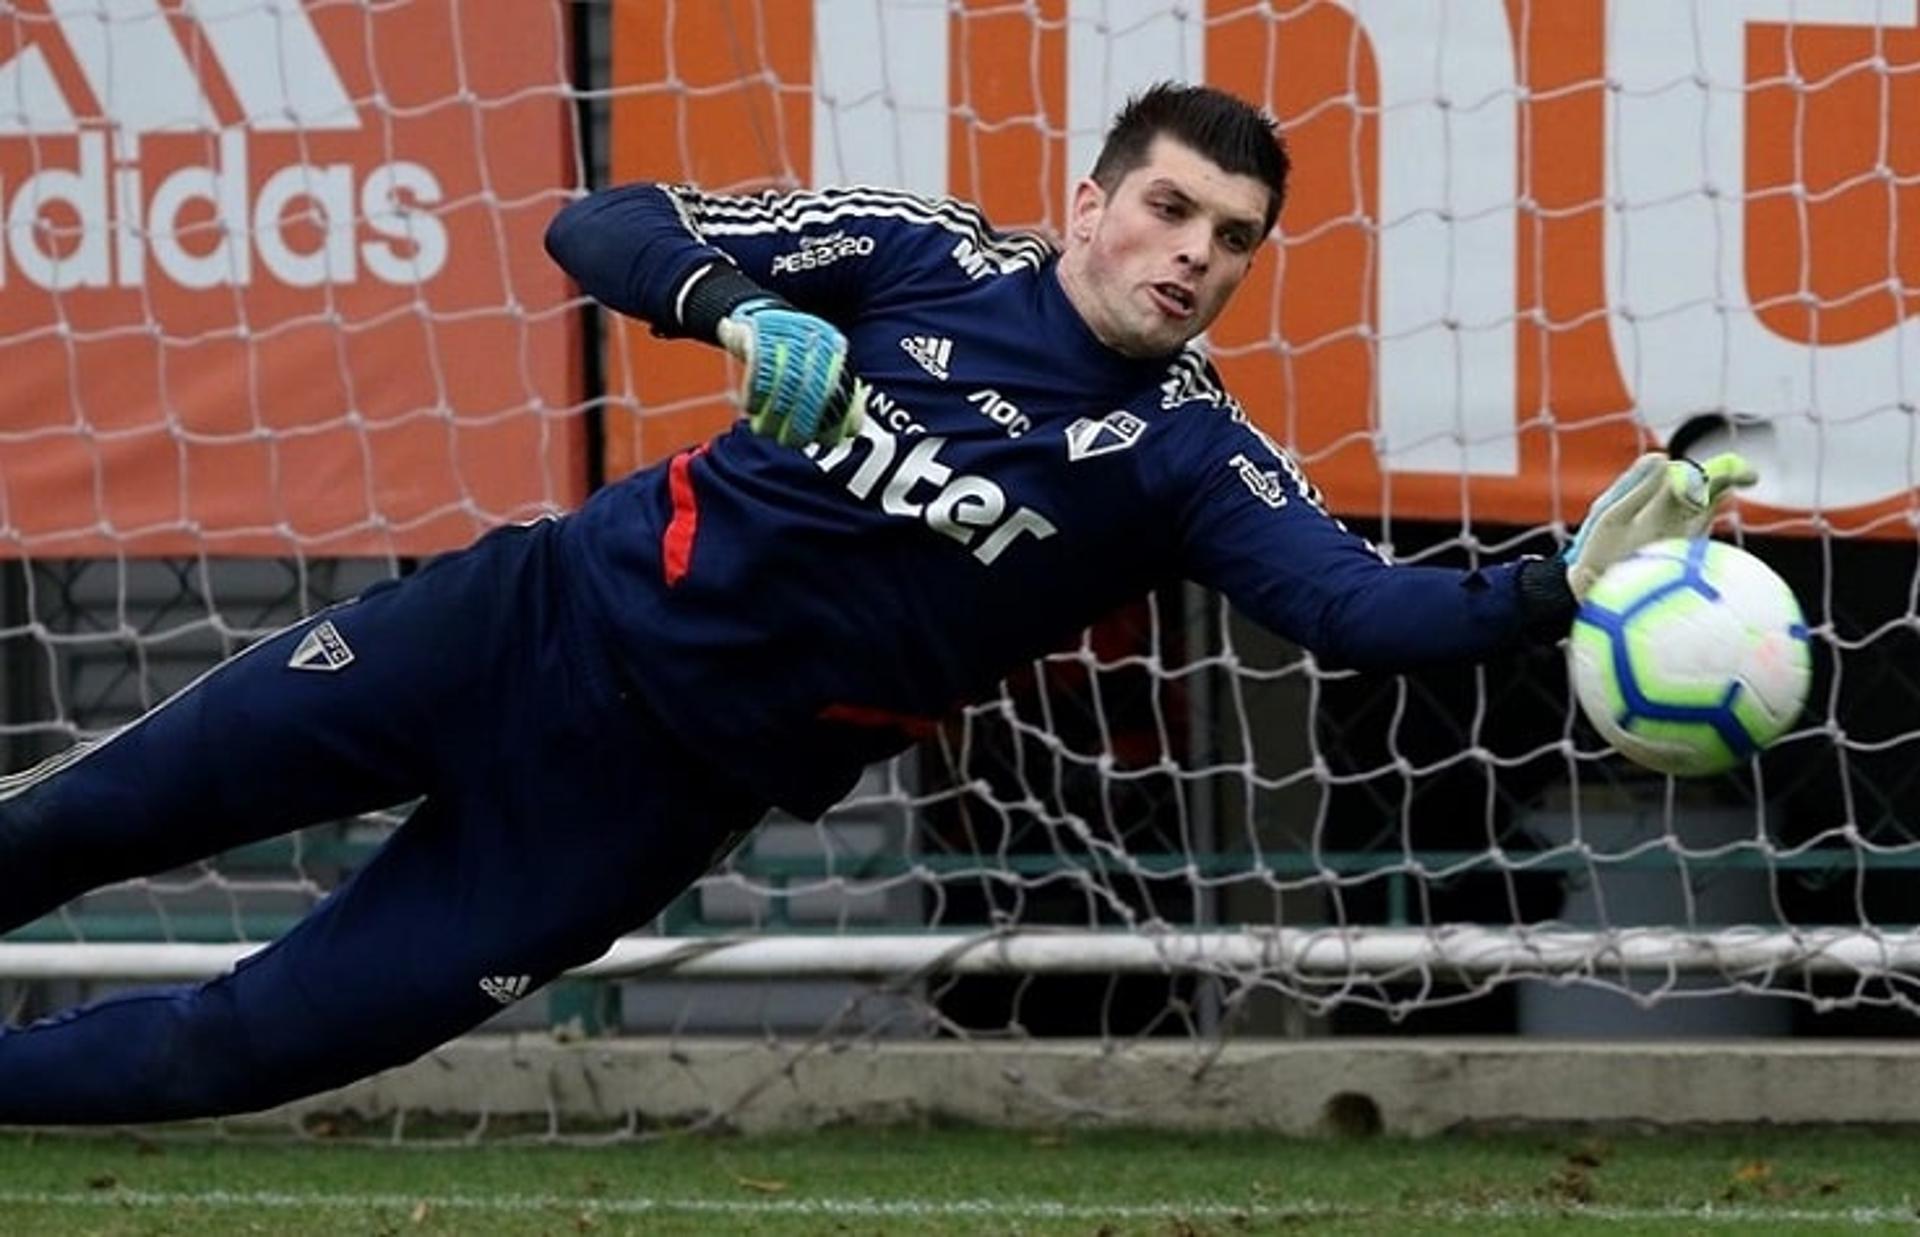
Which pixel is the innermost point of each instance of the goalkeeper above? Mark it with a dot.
(961, 448)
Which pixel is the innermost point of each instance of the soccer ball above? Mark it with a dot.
(1690, 656)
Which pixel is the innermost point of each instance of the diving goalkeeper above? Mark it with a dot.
(960, 448)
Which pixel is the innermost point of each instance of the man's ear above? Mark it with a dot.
(1089, 199)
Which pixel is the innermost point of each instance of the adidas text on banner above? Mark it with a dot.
(283, 80)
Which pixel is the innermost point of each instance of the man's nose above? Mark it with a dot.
(1195, 247)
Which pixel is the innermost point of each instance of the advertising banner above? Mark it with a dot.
(271, 278)
(1524, 240)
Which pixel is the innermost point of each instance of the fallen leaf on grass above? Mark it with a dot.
(761, 1185)
(1756, 1177)
(1570, 1185)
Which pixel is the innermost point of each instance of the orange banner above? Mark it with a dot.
(1524, 240)
(271, 279)
(726, 128)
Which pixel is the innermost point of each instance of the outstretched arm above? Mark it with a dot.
(1255, 529)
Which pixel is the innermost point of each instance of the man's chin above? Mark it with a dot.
(1164, 339)
(1173, 341)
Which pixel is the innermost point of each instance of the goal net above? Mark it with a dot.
(276, 323)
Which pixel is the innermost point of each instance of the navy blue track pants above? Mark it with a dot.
(557, 815)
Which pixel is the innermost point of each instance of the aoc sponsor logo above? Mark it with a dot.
(1002, 411)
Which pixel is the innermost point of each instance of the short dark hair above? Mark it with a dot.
(1234, 134)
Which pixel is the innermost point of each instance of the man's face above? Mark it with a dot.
(1151, 264)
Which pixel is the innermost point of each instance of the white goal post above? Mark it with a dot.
(1737, 955)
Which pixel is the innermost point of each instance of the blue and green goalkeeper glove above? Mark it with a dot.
(798, 388)
(1656, 498)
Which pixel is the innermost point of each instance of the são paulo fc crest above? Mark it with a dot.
(322, 648)
(1116, 431)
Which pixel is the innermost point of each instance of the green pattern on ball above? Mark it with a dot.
(1591, 641)
(1660, 621)
(1704, 750)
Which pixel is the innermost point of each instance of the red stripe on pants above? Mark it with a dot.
(676, 544)
(859, 715)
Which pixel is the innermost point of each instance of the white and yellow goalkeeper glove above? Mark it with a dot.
(798, 388)
(1656, 498)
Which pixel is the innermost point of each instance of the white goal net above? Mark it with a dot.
(275, 323)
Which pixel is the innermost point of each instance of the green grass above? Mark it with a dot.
(969, 1181)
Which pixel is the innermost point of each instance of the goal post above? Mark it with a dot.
(274, 334)
(1737, 956)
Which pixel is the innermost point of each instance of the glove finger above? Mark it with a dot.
(1728, 471)
(795, 428)
(1615, 488)
(770, 407)
(853, 415)
(856, 411)
(840, 405)
(1699, 522)
(811, 398)
(737, 338)
(1703, 490)
(1687, 485)
(1633, 490)
(1616, 505)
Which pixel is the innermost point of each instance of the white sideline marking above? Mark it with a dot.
(996, 1209)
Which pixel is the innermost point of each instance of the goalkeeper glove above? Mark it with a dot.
(798, 388)
(1656, 498)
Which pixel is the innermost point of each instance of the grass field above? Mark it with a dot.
(969, 1181)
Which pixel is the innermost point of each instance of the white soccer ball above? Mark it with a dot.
(1690, 656)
